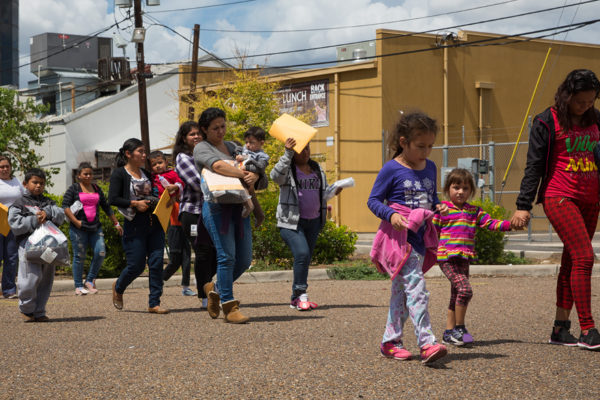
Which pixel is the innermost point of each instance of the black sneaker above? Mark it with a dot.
(452, 336)
(591, 341)
(563, 336)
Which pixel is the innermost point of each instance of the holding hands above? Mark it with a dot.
(520, 219)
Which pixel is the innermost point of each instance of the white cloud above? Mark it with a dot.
(86, 16)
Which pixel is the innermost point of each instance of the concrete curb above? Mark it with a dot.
(319, 274)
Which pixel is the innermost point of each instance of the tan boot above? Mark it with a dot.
(232, 312)
(213, 300)
(117, 297)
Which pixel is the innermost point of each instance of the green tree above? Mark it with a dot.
(20, 130)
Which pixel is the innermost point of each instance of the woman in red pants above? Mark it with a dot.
(562, 144)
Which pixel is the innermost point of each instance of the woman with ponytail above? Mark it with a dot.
(131, 191)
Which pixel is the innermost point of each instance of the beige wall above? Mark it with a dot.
(372, 93)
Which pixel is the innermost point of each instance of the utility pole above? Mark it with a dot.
(141, 77)
(192, 95)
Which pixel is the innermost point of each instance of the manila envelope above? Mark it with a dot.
(4, 227)
(287, 126)
(162, 211)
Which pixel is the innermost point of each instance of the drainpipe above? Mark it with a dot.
(445, 96)
(336, 143)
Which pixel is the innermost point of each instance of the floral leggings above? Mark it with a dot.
(409, 298)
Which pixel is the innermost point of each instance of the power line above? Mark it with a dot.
(75, 44)
(421, 32)
(359, 25)
(199, 7)
(157, 22)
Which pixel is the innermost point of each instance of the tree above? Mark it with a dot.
(19, 131)
(248, 100)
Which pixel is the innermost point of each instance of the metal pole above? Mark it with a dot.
(192, 97)
(141, 70)
(382, 147)
(492, 157)
(445, 156)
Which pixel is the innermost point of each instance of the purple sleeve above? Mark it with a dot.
(379, 193)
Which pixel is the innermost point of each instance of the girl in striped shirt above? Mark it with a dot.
(456, 248)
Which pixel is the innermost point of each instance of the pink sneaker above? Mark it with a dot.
(90, 287)
(432, 352)
(394, 350)
(301, 303)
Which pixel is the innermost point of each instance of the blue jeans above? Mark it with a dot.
(232, 238)
(143, 239)
(80, 241)
(302, 243)
(8, 257)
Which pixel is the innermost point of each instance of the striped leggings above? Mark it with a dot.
(575, 223)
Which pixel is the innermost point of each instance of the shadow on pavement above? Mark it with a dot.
(283, 318)
(189, 309)
(327, 307)
(76, 319)
(258, 305)
(481, 343)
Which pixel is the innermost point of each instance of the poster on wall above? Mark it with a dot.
(310, 98)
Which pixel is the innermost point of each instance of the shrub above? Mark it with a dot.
(114, 261)
(489, 245)
(333, 243)
(363, 271)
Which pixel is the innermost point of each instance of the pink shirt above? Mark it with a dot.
(573, 172)
(90, 204)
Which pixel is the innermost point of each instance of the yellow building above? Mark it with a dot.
(477, 85)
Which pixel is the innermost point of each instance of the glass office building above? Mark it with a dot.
(9, 42)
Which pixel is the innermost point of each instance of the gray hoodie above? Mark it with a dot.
(284, 174)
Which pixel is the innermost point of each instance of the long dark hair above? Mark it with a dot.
(410, 125)
(207, 117)
(180, 145)
(578, 80)
(130, 145)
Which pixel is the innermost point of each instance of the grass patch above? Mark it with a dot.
(355, 270)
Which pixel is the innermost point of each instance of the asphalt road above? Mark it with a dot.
(90, 350)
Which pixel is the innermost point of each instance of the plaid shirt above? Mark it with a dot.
(192, 198)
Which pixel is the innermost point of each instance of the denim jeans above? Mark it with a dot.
(302, 243)
(8, 258)
(232, 238)
(80, 241)
(179, 254)
(143, 237)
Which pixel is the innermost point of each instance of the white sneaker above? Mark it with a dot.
(81, 291)
(204, 303)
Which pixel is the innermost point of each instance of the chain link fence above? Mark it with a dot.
(491, 185)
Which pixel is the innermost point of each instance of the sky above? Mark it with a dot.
(264, 28)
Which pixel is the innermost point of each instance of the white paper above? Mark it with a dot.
(76, 207)
(342, 183)
(48, 255)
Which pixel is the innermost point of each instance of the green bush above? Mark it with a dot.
(114, 261)
(334, 243)
(489, 245)
(364, 271)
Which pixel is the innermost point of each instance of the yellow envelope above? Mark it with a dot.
(287, 126)
(4, 227)
(162, 211)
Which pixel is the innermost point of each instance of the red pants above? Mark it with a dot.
(575, 223)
